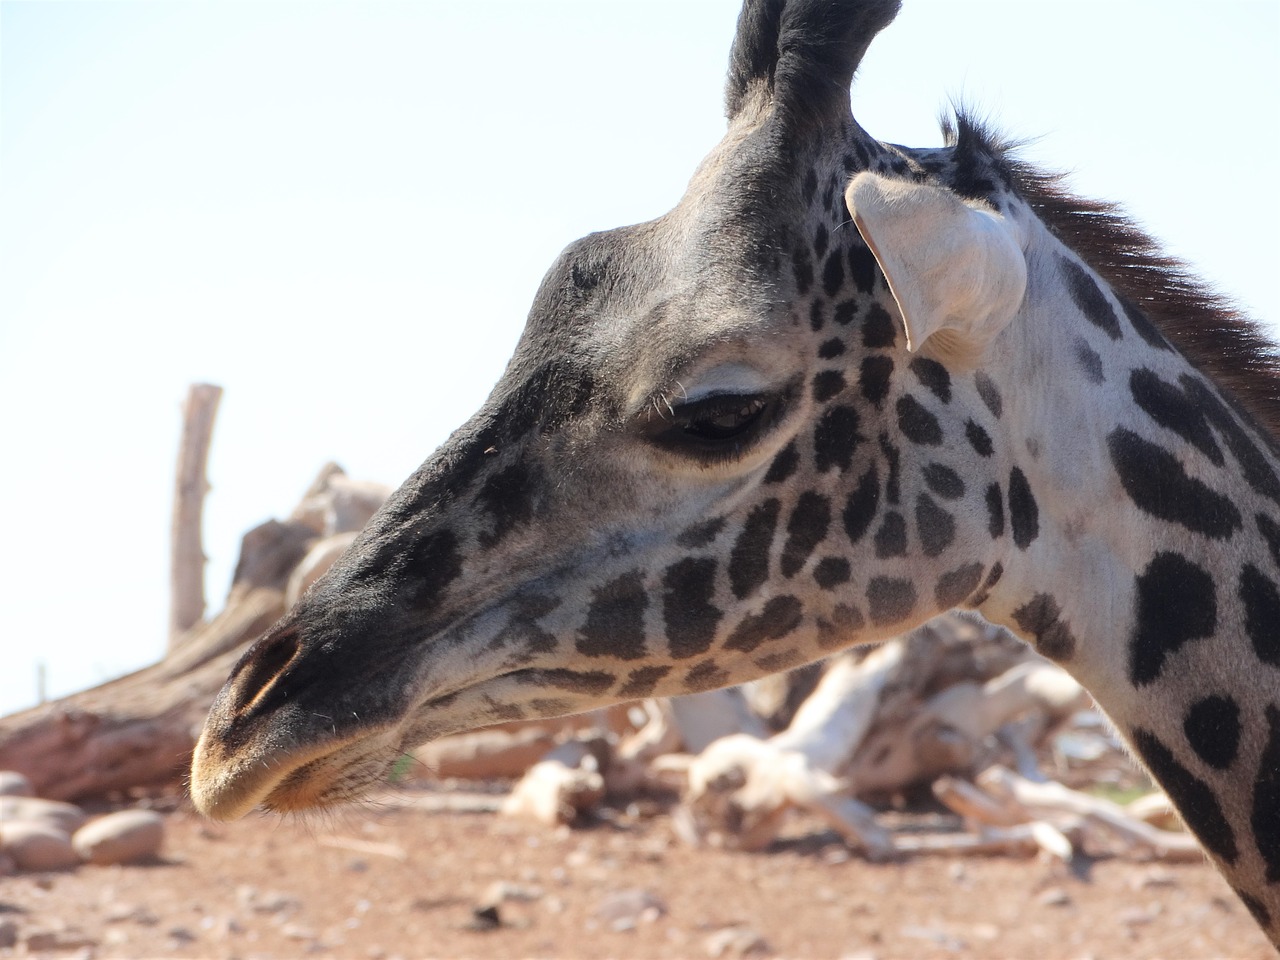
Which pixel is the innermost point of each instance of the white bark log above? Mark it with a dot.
(315, 564)
(949, 733)
(557, 788)
(187, 557)
(990, 841)
(1047, 800)
(1154, 809)
(830, 725)
(974, 805)
(484, 754)
(703, 718)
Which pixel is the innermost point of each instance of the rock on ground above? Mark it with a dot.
(37, 846)
(14, 784)
(125, 836)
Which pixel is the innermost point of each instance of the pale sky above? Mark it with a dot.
(339, 212)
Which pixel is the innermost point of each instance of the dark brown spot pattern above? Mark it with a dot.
(779, 617)
(890, 600)
(1042, 618)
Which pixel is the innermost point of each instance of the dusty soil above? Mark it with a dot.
(391, 881)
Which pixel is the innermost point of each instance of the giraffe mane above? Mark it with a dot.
(1205, 326)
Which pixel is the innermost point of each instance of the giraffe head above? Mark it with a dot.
(730, 441)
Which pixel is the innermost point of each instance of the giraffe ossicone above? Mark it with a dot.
(726, 445)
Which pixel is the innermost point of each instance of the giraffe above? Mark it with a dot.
(841, 387)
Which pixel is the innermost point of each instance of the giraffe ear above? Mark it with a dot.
(957, 271)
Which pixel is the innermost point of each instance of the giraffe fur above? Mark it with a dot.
(786, 418)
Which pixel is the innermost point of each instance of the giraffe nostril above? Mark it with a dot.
(263, 665)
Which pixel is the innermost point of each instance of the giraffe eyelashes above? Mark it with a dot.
(715, 428)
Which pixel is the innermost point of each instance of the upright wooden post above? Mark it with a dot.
(187, 557)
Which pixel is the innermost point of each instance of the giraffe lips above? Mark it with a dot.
(289, 770)
(226, 785)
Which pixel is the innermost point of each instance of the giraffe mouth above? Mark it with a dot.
(285, 770)
(226, 785)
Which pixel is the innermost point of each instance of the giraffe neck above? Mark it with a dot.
(1145, 518)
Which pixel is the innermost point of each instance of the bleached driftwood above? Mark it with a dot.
(450, 802)
(976, 806)
(700, 719)
(632, 769)
(335, 508)
(486, 754)
(1154, 809)
(334, 503)
(314, 565)
(509, 750)
(1054, 800)
(831, 724)
(567, 781)
(1025, 839)
(187, 559)
(950, 732)
(740, 787)
(840, 746)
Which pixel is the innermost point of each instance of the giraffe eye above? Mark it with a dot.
(723, 425)
(714, 424)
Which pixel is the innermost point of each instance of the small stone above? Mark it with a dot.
(276, 903)
(8, 934)
(501, 891)
(38, 846)
(934, 935)
(484, 919)
(986, 931)
(15, 784)
(126, 836)
(736, 942)
(1154, 877)
(633, 905)
(115, 937)
(62, 941)
(834, 856)
(119, 913)
(181, 934)
(67, 817)
(1136, 917)
(957, 872)
(1054, 897)
(39, 940)
(297, 931)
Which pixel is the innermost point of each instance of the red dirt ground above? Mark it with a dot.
(399, 882)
